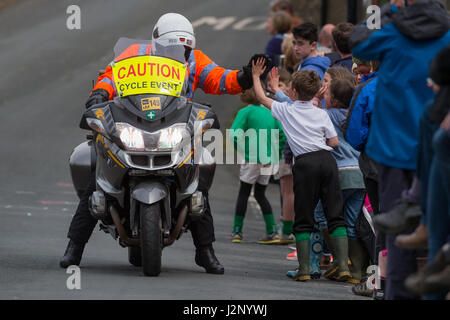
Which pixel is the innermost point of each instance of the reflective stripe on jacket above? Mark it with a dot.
(203, 74)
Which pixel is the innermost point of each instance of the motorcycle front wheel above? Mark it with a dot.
(151, 238)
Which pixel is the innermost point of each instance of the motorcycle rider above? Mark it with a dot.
(204, 74)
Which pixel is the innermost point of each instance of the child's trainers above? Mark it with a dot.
(292, 256)
(287, 239)
(361, 289)
(273, 238)
(237, 238)
(291, 274)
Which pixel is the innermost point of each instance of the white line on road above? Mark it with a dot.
(244, 24)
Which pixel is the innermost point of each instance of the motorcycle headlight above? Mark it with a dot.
(166, 139)
(131, 137)
(171, 137)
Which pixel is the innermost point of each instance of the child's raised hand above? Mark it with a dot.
(321, 94)
(274, 80)
(258, 67)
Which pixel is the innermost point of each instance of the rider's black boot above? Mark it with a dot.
(73, 254)
(206, 258)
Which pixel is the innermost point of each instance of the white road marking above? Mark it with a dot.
(25, 192)
(251, 24)
(244, 24)
(217, 23)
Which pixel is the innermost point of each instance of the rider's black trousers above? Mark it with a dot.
(83, 223)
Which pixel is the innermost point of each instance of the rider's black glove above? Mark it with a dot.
(96, 97)
(244, 77)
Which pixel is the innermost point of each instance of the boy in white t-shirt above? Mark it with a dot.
(311, 136)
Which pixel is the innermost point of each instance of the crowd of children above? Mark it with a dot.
(364, 148)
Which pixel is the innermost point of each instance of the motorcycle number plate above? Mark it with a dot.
(153, 103)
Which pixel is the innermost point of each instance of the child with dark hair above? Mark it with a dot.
(338, 97)
(312, 137)
(305, 47)
(341, 37)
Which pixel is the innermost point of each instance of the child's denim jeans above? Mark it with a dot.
(353, 202)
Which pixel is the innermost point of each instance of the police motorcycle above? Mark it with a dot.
(151, 171)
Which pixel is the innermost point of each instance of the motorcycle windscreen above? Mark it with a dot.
(124, 43)
(127, 47)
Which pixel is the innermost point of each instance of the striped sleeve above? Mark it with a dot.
(213, 79)
(105, 82)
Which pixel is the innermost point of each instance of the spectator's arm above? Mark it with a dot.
(330, 133)
(288, 154)
(280, 96)
(333, 142)
(213, 79)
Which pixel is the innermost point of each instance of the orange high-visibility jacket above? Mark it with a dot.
(203, 73)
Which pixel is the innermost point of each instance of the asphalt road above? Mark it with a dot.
(46, 72)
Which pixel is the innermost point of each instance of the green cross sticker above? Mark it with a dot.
(151, 115)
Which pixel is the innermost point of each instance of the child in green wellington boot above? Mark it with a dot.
(311, 136)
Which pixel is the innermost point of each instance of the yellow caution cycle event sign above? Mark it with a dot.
(148, 75)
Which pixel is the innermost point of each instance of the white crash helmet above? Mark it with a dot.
(173, 29)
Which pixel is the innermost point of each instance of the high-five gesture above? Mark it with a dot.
(258, 69)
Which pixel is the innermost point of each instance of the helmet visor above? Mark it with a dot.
(168, 48)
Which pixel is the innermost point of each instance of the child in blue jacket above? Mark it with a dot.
(360, 111)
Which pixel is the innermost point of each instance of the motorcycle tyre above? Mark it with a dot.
(151, 239)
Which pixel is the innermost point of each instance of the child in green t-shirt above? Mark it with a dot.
(252, 134)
